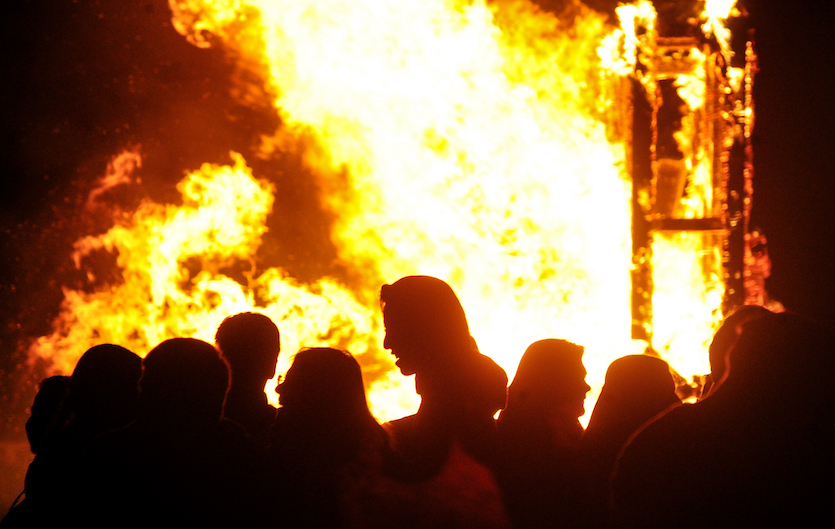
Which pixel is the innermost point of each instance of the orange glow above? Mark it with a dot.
(450, 138)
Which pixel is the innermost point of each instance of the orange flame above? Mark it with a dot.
(715, 13)
(451, 138)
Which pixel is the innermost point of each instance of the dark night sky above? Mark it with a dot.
(793, 188)
(83, 80)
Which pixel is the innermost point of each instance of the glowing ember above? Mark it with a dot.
(451, 138)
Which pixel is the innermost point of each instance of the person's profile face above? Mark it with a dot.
(582, 390)
(287, 392)
(401, 346)
(570, 397)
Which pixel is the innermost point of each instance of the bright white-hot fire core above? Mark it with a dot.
(457, 139)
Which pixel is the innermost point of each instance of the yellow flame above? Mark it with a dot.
(715, 14)
(470, 155)
(736, 76)
(686, 300)
(719, 9)
(164, 294)
(619, 50)
(450, 138)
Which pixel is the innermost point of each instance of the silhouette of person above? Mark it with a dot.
(327, 440)
(250, 344)
(48, 413)
(757, 452)
(548, 392)
(724, 340)
(637, 388)
(426, 328)
(460, 389)
(453, 434)
(540, 432)
(101, 396)
(179, 463)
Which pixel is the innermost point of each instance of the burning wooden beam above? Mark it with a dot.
(686, 119)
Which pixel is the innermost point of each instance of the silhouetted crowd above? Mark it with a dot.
(186, 437)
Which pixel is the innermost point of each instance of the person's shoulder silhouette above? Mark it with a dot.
(460, 389)
(548, 392)
(101, 396)
(326, 440)
(636, 389)
(540, 434)
(250, 344)
(453, 432)
(724, 340)
(756, 451)
(180, 462)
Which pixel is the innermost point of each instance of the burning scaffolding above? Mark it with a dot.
(686, 111)
(549, 172)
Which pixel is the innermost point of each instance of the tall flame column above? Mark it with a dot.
(687, 123)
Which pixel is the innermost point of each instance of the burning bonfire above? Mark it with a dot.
(567, 179)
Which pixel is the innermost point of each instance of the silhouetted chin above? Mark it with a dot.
(405, 371)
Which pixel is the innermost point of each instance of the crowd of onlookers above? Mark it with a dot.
(186, 437)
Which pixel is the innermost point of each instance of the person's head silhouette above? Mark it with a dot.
(425, 324)
(637, 388)
(104, 384)
(725, 338)
(48, 413)
(250, 343)
(550, 381)
(324, 418)
(184, 381)
(325, 383)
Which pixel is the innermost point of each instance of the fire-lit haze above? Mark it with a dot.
(449, 138)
